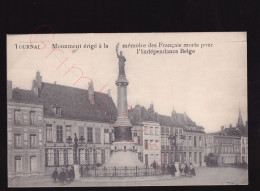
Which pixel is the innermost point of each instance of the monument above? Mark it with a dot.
(124, 150)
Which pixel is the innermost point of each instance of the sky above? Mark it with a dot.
(209, 85)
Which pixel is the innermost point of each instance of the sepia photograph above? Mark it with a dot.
(127, 109)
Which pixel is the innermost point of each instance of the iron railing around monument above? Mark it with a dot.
(122, 171)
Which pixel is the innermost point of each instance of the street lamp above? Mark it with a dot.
(174, 143)
(76, 148)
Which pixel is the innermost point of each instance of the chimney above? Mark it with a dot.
(222, 128)
(37, 84)
(9, 89)
(151, 109)
(91, 92)
(109, 92)
(185, 117)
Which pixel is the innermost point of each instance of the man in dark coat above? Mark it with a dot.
(67, 173)
(81, 171)
(62, 176)
(55, 175)
(180, 169)
(186, 169)
(72, 174)
(173, 169)
(168, 169)
(163, 168)
(192, 170)
(154, 165)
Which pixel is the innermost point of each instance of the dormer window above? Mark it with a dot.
(58, 111)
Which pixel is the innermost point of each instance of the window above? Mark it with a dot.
(91, 156)
(50, 157)
(18, 164)
(167, 130)
(146, 130)
(200, 141)
(195, 157)
(17, 141)
(110, 138)
(156, 131)
(17, 117)
(99, 156)
(163, 129)
(48, 133)
(195, 141)
(106, 131)
(32, 118)
(146, 144)
(59, 134)
(68, 131)
(90, 135)
(139, 140)
(106, 136)
(156, 144)
(190, 159)
(33, 140)
(82, 156)
(70, 156)
(58, 111)
(184, 157)
(81, 132)
(61, 157)
(135, 134)
(151, 145)
(180, 130)
(98, 135)
(151, 131)
(190, 141)
(107, 154)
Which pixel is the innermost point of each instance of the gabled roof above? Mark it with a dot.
(139, 114)
(73, 101)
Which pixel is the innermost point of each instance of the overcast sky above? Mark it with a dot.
(208, 85)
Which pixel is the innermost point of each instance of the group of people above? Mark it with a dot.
(184, 168)
(187, 169)
(65, 175)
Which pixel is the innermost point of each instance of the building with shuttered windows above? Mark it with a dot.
(56, 114)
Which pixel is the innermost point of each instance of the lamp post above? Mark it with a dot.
(76, 166)
(174, 143)
(76, 148)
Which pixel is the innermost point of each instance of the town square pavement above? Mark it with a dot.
(204, 176)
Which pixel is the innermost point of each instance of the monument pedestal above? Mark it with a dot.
(124, 155)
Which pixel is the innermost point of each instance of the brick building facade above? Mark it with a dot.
(25, 133)
(50, 116)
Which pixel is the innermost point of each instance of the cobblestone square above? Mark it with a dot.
(204, 176)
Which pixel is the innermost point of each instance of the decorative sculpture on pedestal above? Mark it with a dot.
(124, 150)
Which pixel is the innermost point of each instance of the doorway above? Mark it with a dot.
(33, 163)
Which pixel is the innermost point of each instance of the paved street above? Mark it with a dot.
(205, 176)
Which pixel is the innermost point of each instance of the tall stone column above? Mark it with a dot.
(124, 150)
(122, 126)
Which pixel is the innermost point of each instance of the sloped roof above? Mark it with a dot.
(139, 114)
(73, 101)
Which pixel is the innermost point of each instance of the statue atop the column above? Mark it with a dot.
(121, 61)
